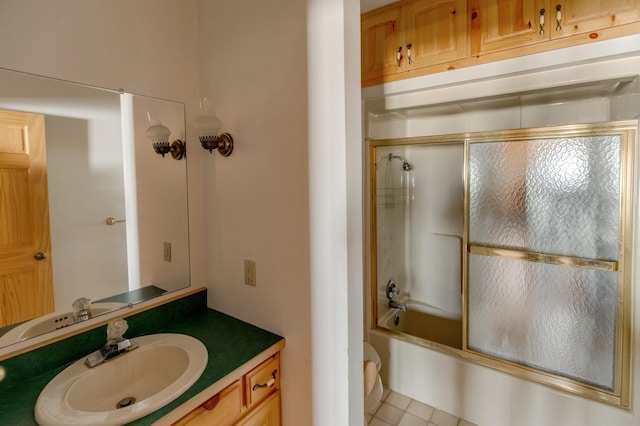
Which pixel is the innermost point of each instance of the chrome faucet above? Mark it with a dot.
(392, 291)
(116, 344)
(397, 305)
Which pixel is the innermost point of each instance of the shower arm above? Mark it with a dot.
(406, 166)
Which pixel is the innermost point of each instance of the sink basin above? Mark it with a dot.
(52, 322)
(126, 387)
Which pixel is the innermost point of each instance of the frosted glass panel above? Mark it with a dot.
(559, 196)
(554, 318)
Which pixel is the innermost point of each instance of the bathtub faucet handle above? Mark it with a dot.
(392, 289)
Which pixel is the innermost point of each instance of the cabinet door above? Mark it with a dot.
(435, 32)
(380, 38)
(506, 24)
(222, 409)
(265, 414)
(580, 16)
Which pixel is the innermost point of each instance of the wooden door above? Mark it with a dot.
(507, 24)
(265, 414)
(26, 289)
(435, 32)
(380, 42)
(580, 16)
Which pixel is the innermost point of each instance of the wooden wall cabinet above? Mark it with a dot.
(500, 25)
(509, 24)
(409, 35)
(417, 37)
(585, 16)
(253, 399)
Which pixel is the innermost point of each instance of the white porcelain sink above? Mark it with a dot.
(52, 322)
(143, 380)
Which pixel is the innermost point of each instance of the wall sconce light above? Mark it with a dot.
(207, 127)
(159, 136)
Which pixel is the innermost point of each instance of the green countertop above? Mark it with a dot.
(230, 343)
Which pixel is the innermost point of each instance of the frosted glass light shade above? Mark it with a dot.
(207, 125)
(158, 133)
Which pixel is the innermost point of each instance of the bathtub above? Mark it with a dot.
(425, 322)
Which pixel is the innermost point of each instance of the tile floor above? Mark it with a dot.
(399, 410)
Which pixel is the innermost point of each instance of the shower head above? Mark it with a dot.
(406, 166)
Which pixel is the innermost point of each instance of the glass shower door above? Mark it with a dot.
(545, 263)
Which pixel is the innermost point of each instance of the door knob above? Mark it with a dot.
(40, 256)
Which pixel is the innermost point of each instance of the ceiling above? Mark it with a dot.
(367, 5)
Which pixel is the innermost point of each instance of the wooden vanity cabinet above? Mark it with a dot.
(253, 399)
(265, 414)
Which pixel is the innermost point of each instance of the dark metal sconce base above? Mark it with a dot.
(223, 143)
(178, 149)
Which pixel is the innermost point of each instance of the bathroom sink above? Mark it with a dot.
(52, 322)
(126, 387)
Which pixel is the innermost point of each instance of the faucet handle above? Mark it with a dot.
(116, 329)
(81, 309)
(392, 289)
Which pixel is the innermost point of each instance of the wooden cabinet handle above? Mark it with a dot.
(558, 17)
(409, 54)
(399, 56)
(211, 403)
(269, 382)
(542, 21)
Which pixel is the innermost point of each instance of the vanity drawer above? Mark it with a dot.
(220, 410)
(262, 380)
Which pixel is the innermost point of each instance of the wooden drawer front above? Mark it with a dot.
(221, 410)
(262, 380)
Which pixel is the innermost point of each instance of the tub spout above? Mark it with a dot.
(396, 305)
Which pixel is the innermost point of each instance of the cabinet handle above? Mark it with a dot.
(211, 403)
(269, 382)
(399, 56)
(541, 21)
(558, 17)
(409, 54)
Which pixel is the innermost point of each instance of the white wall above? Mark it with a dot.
(480, 394)
(278, 84)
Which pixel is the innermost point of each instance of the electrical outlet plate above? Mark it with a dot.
(250, 272)
(167, 251)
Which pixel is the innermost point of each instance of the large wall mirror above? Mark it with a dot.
(111, 212)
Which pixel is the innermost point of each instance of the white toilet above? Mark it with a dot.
(372, 382)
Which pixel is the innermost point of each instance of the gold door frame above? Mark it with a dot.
(627, 130)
